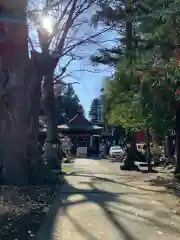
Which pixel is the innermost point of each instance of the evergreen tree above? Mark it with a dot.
(142, 93)
(80, 110)
(95, 111)
(67, 106)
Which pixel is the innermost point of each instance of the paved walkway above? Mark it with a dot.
(101, 202)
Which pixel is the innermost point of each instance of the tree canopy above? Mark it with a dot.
(142, 91)
(95, 111)
(67, 105)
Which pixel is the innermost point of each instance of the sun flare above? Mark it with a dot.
(47, 23)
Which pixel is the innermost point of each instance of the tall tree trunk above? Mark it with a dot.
(51, 62)
(14, 100)
(51, 153)
(14, 125)
(154, 137)
(33, 152)
(132, 150)
(131, 153)
(129, 33)
(168, 146)
(177, 170)
(148, 150)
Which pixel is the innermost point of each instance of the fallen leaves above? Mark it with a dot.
(23, 210)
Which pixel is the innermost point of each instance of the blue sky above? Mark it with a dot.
(89, 88)
(90, 84)
(89, 77)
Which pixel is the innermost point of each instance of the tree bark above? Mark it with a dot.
(177, 170)
(132, 154)
(33, 152)
(51, 153)
(19, 123)
(148, 150)
(154, 137)
(14, 125)
(168, 147)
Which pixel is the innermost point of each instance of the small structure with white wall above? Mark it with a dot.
(81, 152)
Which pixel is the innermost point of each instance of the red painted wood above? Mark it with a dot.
(79, 120)
(141, 136)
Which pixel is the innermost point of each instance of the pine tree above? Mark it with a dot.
(95, 111)
(143, 86)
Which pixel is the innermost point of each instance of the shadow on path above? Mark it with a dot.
(121, 182)
(100, 198)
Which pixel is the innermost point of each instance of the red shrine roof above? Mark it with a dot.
(79, 122)
(79, 119)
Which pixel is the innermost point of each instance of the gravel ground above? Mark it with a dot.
(22, 210)
(99, 201)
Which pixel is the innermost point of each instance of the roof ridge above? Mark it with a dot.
(73, 118)
(81, 117)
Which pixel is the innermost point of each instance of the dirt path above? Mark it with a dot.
(98, 202)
